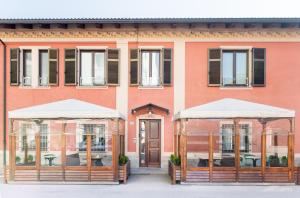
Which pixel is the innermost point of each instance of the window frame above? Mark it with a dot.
(140, 72)
(93, 51)
(235, 51)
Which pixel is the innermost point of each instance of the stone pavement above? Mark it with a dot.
(145, 186)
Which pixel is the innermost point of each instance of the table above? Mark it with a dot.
(50, 158)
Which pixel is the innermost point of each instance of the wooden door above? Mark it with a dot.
(149, 141)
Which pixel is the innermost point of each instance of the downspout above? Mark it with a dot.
(4, 104)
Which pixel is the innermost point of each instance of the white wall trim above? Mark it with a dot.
(91, 47)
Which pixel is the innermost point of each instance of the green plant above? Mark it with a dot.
(30, 158)
(18, 159)
(175, 160)
(284, 161)
(123, 159)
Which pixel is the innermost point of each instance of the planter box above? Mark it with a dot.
(174, 173)
(124, 172)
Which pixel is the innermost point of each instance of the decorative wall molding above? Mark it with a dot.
(293, 33)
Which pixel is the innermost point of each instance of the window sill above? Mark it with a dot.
(236, 88)
(151, 87)
(92, 87)
(31, 87)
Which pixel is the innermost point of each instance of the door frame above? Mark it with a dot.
(162, 133)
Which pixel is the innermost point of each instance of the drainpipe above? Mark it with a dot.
(4, 103)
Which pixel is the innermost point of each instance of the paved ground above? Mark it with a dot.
(145, 186)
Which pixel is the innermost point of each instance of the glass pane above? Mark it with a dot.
(99, 145)
(44, 67)
(154, 77)
(145, 68)
(26, 147)
(99, 68)
(27, 67)
(277, 143)
(198, 142)
(75, 145)
(241, 68)
(250, 144)
(86, 69)
(227, 68)
(142, 142)
(50, 144)
(224, 155)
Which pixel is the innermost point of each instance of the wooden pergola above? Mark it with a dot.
(61, 113)
(236, 111)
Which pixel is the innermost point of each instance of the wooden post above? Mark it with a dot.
(63, 150)
(89, 153)
(236, 132)
(211, 156)
(291, 150)
(115, 151)
(263, 150)
(38, 154)
(183, 151)
(12, 151)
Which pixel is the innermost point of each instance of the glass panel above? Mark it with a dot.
(154, 77)
(224, 155)
(44, 67)
(99, 145)
(198, 142)
(50, 144)
(27, 67)
(86, 69)
(277, 143)
(241, 68)
(227, 68)
(142, 142)
(250, 144)
(25, 147)
(99, 68)
(145, 68)
(75, 146)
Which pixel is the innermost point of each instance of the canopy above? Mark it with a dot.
(234, 108)
(70, 108)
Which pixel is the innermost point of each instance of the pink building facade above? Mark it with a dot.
(159, 69)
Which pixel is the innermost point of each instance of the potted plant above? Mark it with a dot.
(124, 168)
(174, 168)
(284, 161)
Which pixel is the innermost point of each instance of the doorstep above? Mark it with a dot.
(60, 183)
(149, 171)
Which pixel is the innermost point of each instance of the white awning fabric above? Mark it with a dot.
(70, 108)
(234, 108)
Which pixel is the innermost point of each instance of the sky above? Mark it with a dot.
(148, 8)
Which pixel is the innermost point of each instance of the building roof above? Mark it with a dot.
(68, 109)
(234, 108)
(282, 22)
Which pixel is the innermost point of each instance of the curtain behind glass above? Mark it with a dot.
(44, 68)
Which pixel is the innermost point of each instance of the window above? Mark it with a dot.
(92, 68)
(230, 68)
(43, 67)
(228, 141)
(97, 132)
(27, 67)
(44, 137)
(150, 68)
(234, 68)
(27, 138)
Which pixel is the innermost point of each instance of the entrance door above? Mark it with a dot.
(149, 140)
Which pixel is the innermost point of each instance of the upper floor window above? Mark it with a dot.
(96, 67)
(92, 68)
(150, 68)
(33, 67)
(231, 67)
(235, 68)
